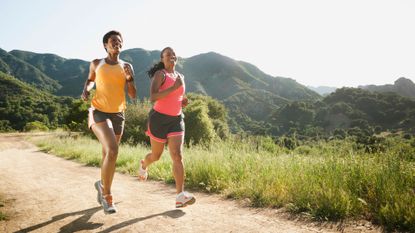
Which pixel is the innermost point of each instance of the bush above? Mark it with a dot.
(216, 111)
(288, 142)
(77, 117)
(339, 133)
(199, 127)
(35, 126)
(136, 123)
(5, 126)
(221, 128)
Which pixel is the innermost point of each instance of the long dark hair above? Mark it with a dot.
(158, 66)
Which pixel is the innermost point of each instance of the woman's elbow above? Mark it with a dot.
(132, 95)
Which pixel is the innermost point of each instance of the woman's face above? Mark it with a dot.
(114, 44)
(169, 57)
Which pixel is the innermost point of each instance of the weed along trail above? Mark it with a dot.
(45, 193)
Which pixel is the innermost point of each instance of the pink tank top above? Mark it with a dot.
(171, 104)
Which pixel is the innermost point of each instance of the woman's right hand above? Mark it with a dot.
(85, 95)
(178, 82)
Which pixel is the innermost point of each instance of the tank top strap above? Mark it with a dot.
(121, 63)
(100, 64)
(164, 76)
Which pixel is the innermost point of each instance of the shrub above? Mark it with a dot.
(136, 123)
(199, 127)
(5, 126)
(35, 126)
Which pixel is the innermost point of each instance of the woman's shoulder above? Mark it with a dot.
(122, 62)
(179, 74)
(96, 62)
(161, 73)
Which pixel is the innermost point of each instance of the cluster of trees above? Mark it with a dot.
(23, 107)
(346, 110)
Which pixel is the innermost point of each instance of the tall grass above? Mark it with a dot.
(329, 180)
(3, 216)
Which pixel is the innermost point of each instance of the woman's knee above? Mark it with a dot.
(112, 151)
(176, 155)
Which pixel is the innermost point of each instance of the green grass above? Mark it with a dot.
(3, 216)
(328, 180)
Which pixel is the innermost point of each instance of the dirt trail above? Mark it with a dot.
(44, 193)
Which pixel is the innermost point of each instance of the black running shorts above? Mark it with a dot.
(114, 120)
(161, 126)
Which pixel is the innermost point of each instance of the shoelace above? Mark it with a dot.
(108, 199)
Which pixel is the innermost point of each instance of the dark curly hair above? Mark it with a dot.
(109, 34)
(158, 66)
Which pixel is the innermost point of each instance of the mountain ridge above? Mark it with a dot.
(403, 86)
(248, 93)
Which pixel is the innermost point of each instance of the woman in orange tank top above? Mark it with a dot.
(165, 121)
(106, 115)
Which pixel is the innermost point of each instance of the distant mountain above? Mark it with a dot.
(24, 71)
(402, 86)
(323, 90)
(241, 86)
(70, 73)
(257, 102)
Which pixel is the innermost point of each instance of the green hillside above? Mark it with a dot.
(24, 71)
(257, 103)
(22, 103)
(70, 73)
(347, 109)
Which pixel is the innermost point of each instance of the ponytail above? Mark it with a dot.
(156, 67)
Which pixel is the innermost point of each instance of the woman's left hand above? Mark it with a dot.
(185, 102)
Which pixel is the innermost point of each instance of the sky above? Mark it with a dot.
(317, 43)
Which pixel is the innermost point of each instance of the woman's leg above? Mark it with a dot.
(175, 145)
(109, 143)
(155, 154)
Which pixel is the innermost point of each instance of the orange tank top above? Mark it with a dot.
(110, 87)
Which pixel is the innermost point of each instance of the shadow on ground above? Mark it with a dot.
(82, 223)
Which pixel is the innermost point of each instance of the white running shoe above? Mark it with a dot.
(108, 205)
(98, 187)
(184, 199)
(142, 173)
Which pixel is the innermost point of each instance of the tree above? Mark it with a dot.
(199, 127)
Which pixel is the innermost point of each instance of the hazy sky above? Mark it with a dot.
(320, 42)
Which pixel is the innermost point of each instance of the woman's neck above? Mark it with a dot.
(169, 69)
(112, 59)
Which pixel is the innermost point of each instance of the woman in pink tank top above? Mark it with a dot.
(165, 121)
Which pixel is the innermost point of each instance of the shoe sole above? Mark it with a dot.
(190, 202)
(110, 212)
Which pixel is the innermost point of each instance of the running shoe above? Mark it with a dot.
(142, 173)
(109, 206)
(98, 187)
(184, 199)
